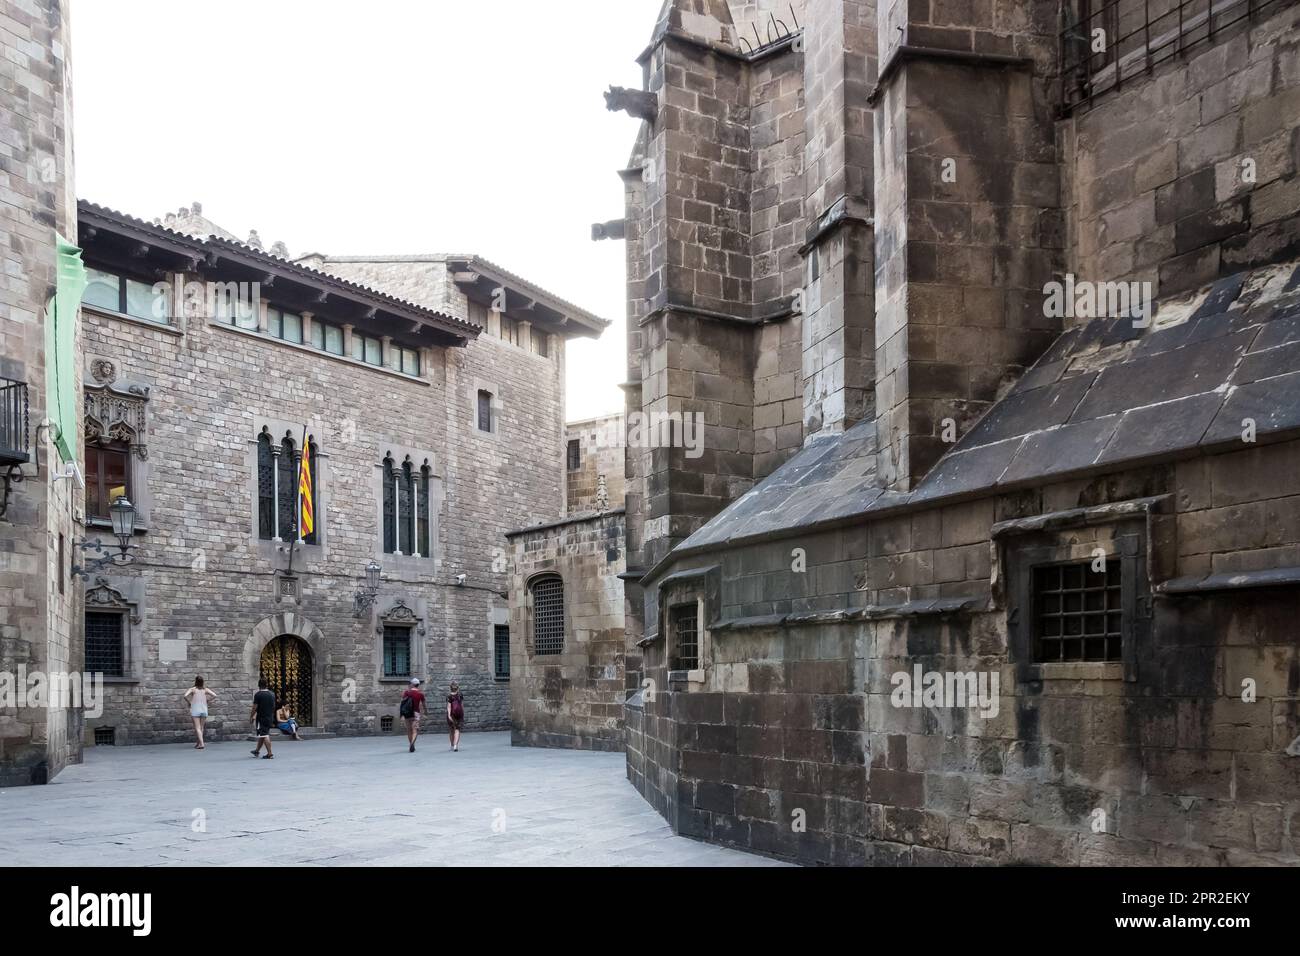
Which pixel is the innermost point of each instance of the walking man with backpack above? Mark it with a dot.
(411, 708)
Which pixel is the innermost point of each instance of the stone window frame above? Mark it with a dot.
(530, 613)
(702, 587)
(270, 549)
(1025, 545)
(497, 404)
(398, 613)
(496, 652)
(121, 596)
(117, 413)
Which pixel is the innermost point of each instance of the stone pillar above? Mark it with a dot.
(41, 627)
(839, 45)
(967, 217)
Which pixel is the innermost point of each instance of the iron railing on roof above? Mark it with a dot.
(15, 445)
(1111, 42)
(776, 31)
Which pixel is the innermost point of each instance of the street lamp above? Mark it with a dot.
(121, 514)
(364, 599)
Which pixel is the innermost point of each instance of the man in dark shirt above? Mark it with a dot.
(263, 713)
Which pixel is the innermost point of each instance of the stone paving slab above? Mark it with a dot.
(345, 802)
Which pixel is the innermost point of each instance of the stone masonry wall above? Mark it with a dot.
(601, 447)
(1171, 766)
(1192, 172)
(40, 620)
(573, 699)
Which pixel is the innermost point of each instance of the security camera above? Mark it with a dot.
(460, 580)
(71, 470)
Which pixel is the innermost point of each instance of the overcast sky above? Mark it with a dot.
(377, 127)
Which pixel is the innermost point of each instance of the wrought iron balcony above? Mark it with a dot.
(15, 445)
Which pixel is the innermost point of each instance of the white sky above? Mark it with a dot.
(377, 127)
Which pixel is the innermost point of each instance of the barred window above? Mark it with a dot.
(397, 651)
(548, 616)
(105, 645)
(686, 637)
(484, 411)
(287, 491)
(390, 507)
(575, 454)
(501, 652)
(1078, 612)
(406, 509)
(265, 488)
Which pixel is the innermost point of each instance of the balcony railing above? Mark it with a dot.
(15, 446)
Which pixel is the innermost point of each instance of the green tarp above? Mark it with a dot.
(61, 399)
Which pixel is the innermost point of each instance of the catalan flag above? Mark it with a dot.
(307, 507)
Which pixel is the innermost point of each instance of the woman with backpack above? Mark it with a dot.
(455, 715)
(411, 707)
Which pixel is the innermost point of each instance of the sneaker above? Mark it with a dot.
(268, 757)
(255, 753)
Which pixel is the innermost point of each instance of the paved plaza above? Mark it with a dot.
(345, 802)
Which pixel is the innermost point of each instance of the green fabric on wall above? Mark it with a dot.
(61, 399)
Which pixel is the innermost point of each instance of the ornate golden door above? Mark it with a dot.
(287, 667)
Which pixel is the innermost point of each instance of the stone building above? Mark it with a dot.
(40, 621)
(427, 394)
(968, 573)
(594, 463)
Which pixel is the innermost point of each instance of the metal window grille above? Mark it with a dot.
(406, 509)
(485, 411)
(548, 616)
(1078, 612)
(15, 447)
(386, 723)
(686, 637)
(575, 454)
(105, 736)
(1135, 36)
(105, 653)
(397, 652)
(501, 652)
(422, 532)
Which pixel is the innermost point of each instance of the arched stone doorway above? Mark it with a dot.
(285, 639)
(288, 666)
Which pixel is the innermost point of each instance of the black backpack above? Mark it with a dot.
(408, 706)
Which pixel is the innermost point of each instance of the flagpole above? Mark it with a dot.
(297, 492)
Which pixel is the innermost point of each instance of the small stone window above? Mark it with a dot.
(684, 620)
(501, 652)
(386, 724)
(105, 736)
(397, 651)
(1078, 612)
(548, 616)
(105, 643)
(484, 411)
(575, 454)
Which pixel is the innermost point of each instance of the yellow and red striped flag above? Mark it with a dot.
(307, 518)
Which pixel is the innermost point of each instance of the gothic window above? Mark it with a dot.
(397, 651)
(422, 501)
(406, 508)
(390, 507)
(278, 501)
(265, 488)
(548, 616)
(286, 468)
(501, 652)
(108, 477)
(105, 643)
(685, 620)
